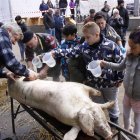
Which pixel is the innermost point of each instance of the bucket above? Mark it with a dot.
(37, 62)
(94, 68)
(49, 60)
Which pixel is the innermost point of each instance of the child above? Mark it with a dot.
(131, 81)
(69, 66)
(97, 47)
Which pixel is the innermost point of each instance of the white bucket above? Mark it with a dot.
(37, 62)
(49, 60)
(94, 67)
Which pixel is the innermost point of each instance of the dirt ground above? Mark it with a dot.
(26, 127)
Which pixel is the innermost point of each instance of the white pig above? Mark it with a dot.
(68, 102)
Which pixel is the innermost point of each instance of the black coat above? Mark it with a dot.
(63, 3)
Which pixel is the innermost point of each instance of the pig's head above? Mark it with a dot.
(93, 119)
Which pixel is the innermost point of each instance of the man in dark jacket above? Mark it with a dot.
(124, 14)
(63, 5)
(49, 22)
(37, 44)
(21, 23)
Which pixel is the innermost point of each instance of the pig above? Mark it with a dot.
(68, 102)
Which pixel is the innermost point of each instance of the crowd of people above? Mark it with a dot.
(104, 39)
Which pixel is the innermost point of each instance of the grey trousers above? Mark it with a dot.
(110, 94)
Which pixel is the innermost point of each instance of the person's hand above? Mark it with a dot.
(42, 74)
(32, 76)
(52, 53)
(102, 63)
(11, 76)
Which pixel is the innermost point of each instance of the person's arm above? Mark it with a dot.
(29, 56)
(114, 66)
(118, 40)
(126, 19)
(9, 60)
(30, 65)
(5, 74)
(70, 52)
(43, 72)
(120, 22)
(112, 22)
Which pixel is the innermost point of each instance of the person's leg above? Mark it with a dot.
(111, 94)
(48, 31)
(64, 11)
(137, 123)
(53, 32)
(126, 113)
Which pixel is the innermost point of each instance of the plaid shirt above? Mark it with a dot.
(104, 50)
(7, 58)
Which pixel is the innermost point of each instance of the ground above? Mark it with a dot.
(26, 127)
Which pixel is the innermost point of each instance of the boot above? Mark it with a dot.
(114, 120)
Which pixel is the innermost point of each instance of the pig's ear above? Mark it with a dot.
(86, 121)
(107, 105)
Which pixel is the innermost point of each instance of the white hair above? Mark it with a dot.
(13, 27)
(115, 11)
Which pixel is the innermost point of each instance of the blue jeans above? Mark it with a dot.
(51, 31)
(111, 94)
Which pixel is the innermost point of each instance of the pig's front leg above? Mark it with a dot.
(72, 134)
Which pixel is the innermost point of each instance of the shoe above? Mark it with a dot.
(114, 120)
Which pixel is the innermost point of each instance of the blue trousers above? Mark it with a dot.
(51, 31)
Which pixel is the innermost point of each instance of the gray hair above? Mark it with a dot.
(13, 27)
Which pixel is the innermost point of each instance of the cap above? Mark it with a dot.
(28, 35)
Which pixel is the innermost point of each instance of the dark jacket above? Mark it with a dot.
(43, 7)
(63, 3)
(124, 14)
(48, 21)
(117, 24)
